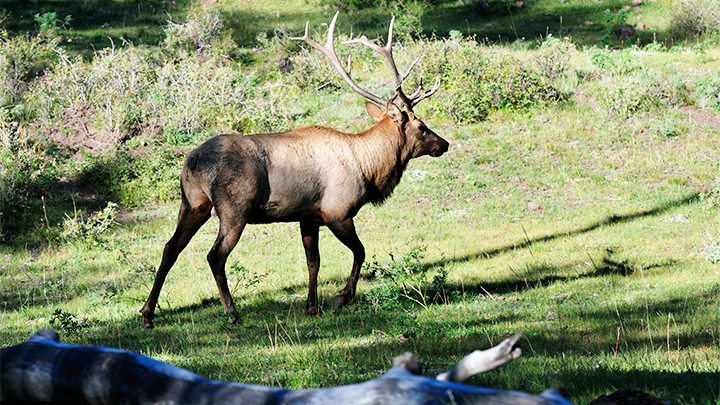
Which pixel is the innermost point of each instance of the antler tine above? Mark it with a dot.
(415, 99)
(385, 51)
(329, 50)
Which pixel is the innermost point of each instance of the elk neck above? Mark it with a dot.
(382, 154)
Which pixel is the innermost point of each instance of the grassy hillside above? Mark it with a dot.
(577, 202)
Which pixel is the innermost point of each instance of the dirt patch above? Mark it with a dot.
(75, 129)
(703, 117)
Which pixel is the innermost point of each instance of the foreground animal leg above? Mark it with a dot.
(189, 221)
(309, 232)
(482, 361)
(345, 232)
(227, 238)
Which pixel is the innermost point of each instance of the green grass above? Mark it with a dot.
(585, 221)
(607, 277)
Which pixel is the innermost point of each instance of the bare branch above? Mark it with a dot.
(482, 361)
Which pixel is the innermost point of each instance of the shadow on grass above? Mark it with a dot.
(285, 340)
(609, 221)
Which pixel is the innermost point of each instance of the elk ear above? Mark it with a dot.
(394, 113)
(374, 111)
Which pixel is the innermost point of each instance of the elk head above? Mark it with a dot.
(399, 107)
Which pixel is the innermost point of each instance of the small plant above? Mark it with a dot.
(90, 230)
(69, 323)
(405, 280)
(243, 278)
(479, 79)
(200, 33)
(49, 22)
(22, 59)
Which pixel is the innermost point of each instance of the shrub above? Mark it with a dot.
(49, 22)
(611, 22)
(615, 63)
(201, 34)
(696, 17)
(22, 59)
(478, 79)
(625, 86)
(553, 56)
(116, 84)
(405, 280)
(708, 91)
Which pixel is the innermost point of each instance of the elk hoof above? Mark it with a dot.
(147, 320)
(235, 319)
(313, 310)
(340, 301)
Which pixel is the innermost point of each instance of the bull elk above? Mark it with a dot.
(312, 174)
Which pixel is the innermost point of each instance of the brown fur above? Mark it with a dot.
(313, 175)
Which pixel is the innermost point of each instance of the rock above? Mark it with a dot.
(636, 2)
(641, 27)
(519, 5)
(531, 206)
(637, 10)
(626, 31)
(589, 23)
(626, 8)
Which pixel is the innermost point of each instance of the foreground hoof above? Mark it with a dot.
(340, 300)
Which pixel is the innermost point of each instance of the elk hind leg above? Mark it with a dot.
(345, 232)
(190, 220)
(228, 236)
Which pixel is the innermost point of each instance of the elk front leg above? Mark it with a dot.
(345, 232)
(309, 232)
(227, 238)
(189, 221)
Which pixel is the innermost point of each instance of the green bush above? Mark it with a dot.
(611, 22)
(553, 56)
(404, 280)
(626, 86)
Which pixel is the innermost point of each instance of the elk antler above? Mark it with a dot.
(386, 52)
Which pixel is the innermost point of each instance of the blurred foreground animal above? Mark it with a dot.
(313, 175)
(42, 370)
